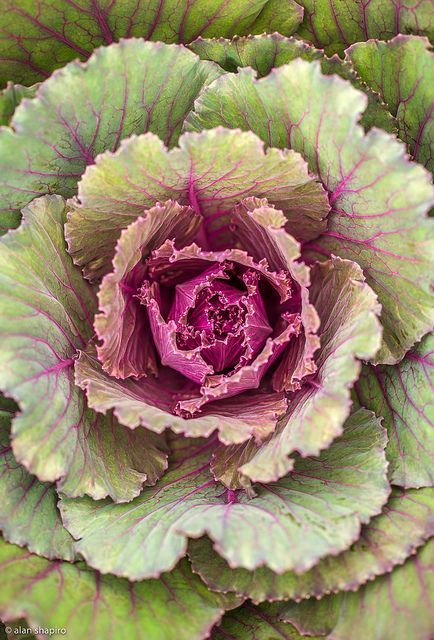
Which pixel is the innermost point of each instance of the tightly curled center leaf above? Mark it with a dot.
(212, 324)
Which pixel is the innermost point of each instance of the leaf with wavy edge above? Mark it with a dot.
(211, 171)
(349, 331)
(260, 230)
(253, 623)
(403, 395)
(28, 508)
(266, 52)
(150, 403)
(60, 594)
(387, 540)
(397, 606)
(400, 71)
(378, 197)
(315, 511)
(333, 25)
(122, 327)
(85, 109)
(36, 37)
(271, 251)
(47, 312)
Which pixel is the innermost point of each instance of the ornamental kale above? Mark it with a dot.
(215, 314)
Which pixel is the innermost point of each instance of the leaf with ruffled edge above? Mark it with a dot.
(397, 606)
(37, 37)
(268, 51)
(149, 402)
(315, 511)
(387, 540)
(87, 108)
(210, 171)
(378, 197)
(401, 72)
(122, 327)
(259, 228)
(52, 594)
(253, 623)
(46, 317)
(349, 330)
(403, 395)
(261, 52)
(333, 25)
(28, 508)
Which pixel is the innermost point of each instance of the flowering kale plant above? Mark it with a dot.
(215, 313)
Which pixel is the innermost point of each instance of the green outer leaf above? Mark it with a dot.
(397, 606)
(401, 71)
(378, 197)
(46, 316)
(88, 605)
(266, 52)
(254, 623)
(211, 171)
(335, 24)
(261, 52)
(404, 396)
(36, 37)
(315, 511)
(28, 508)
(11, 97)
(349, 330)
(277, 15)
(387, 540)
(85, 109)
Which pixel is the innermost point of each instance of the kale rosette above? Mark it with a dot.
(215, 294)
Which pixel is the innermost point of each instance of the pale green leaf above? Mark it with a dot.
(387, 540)
(28, 508)
(211, 171)
(349, 331)
(315, 511)
(87, 108)
(379, 198)
(47, 315)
